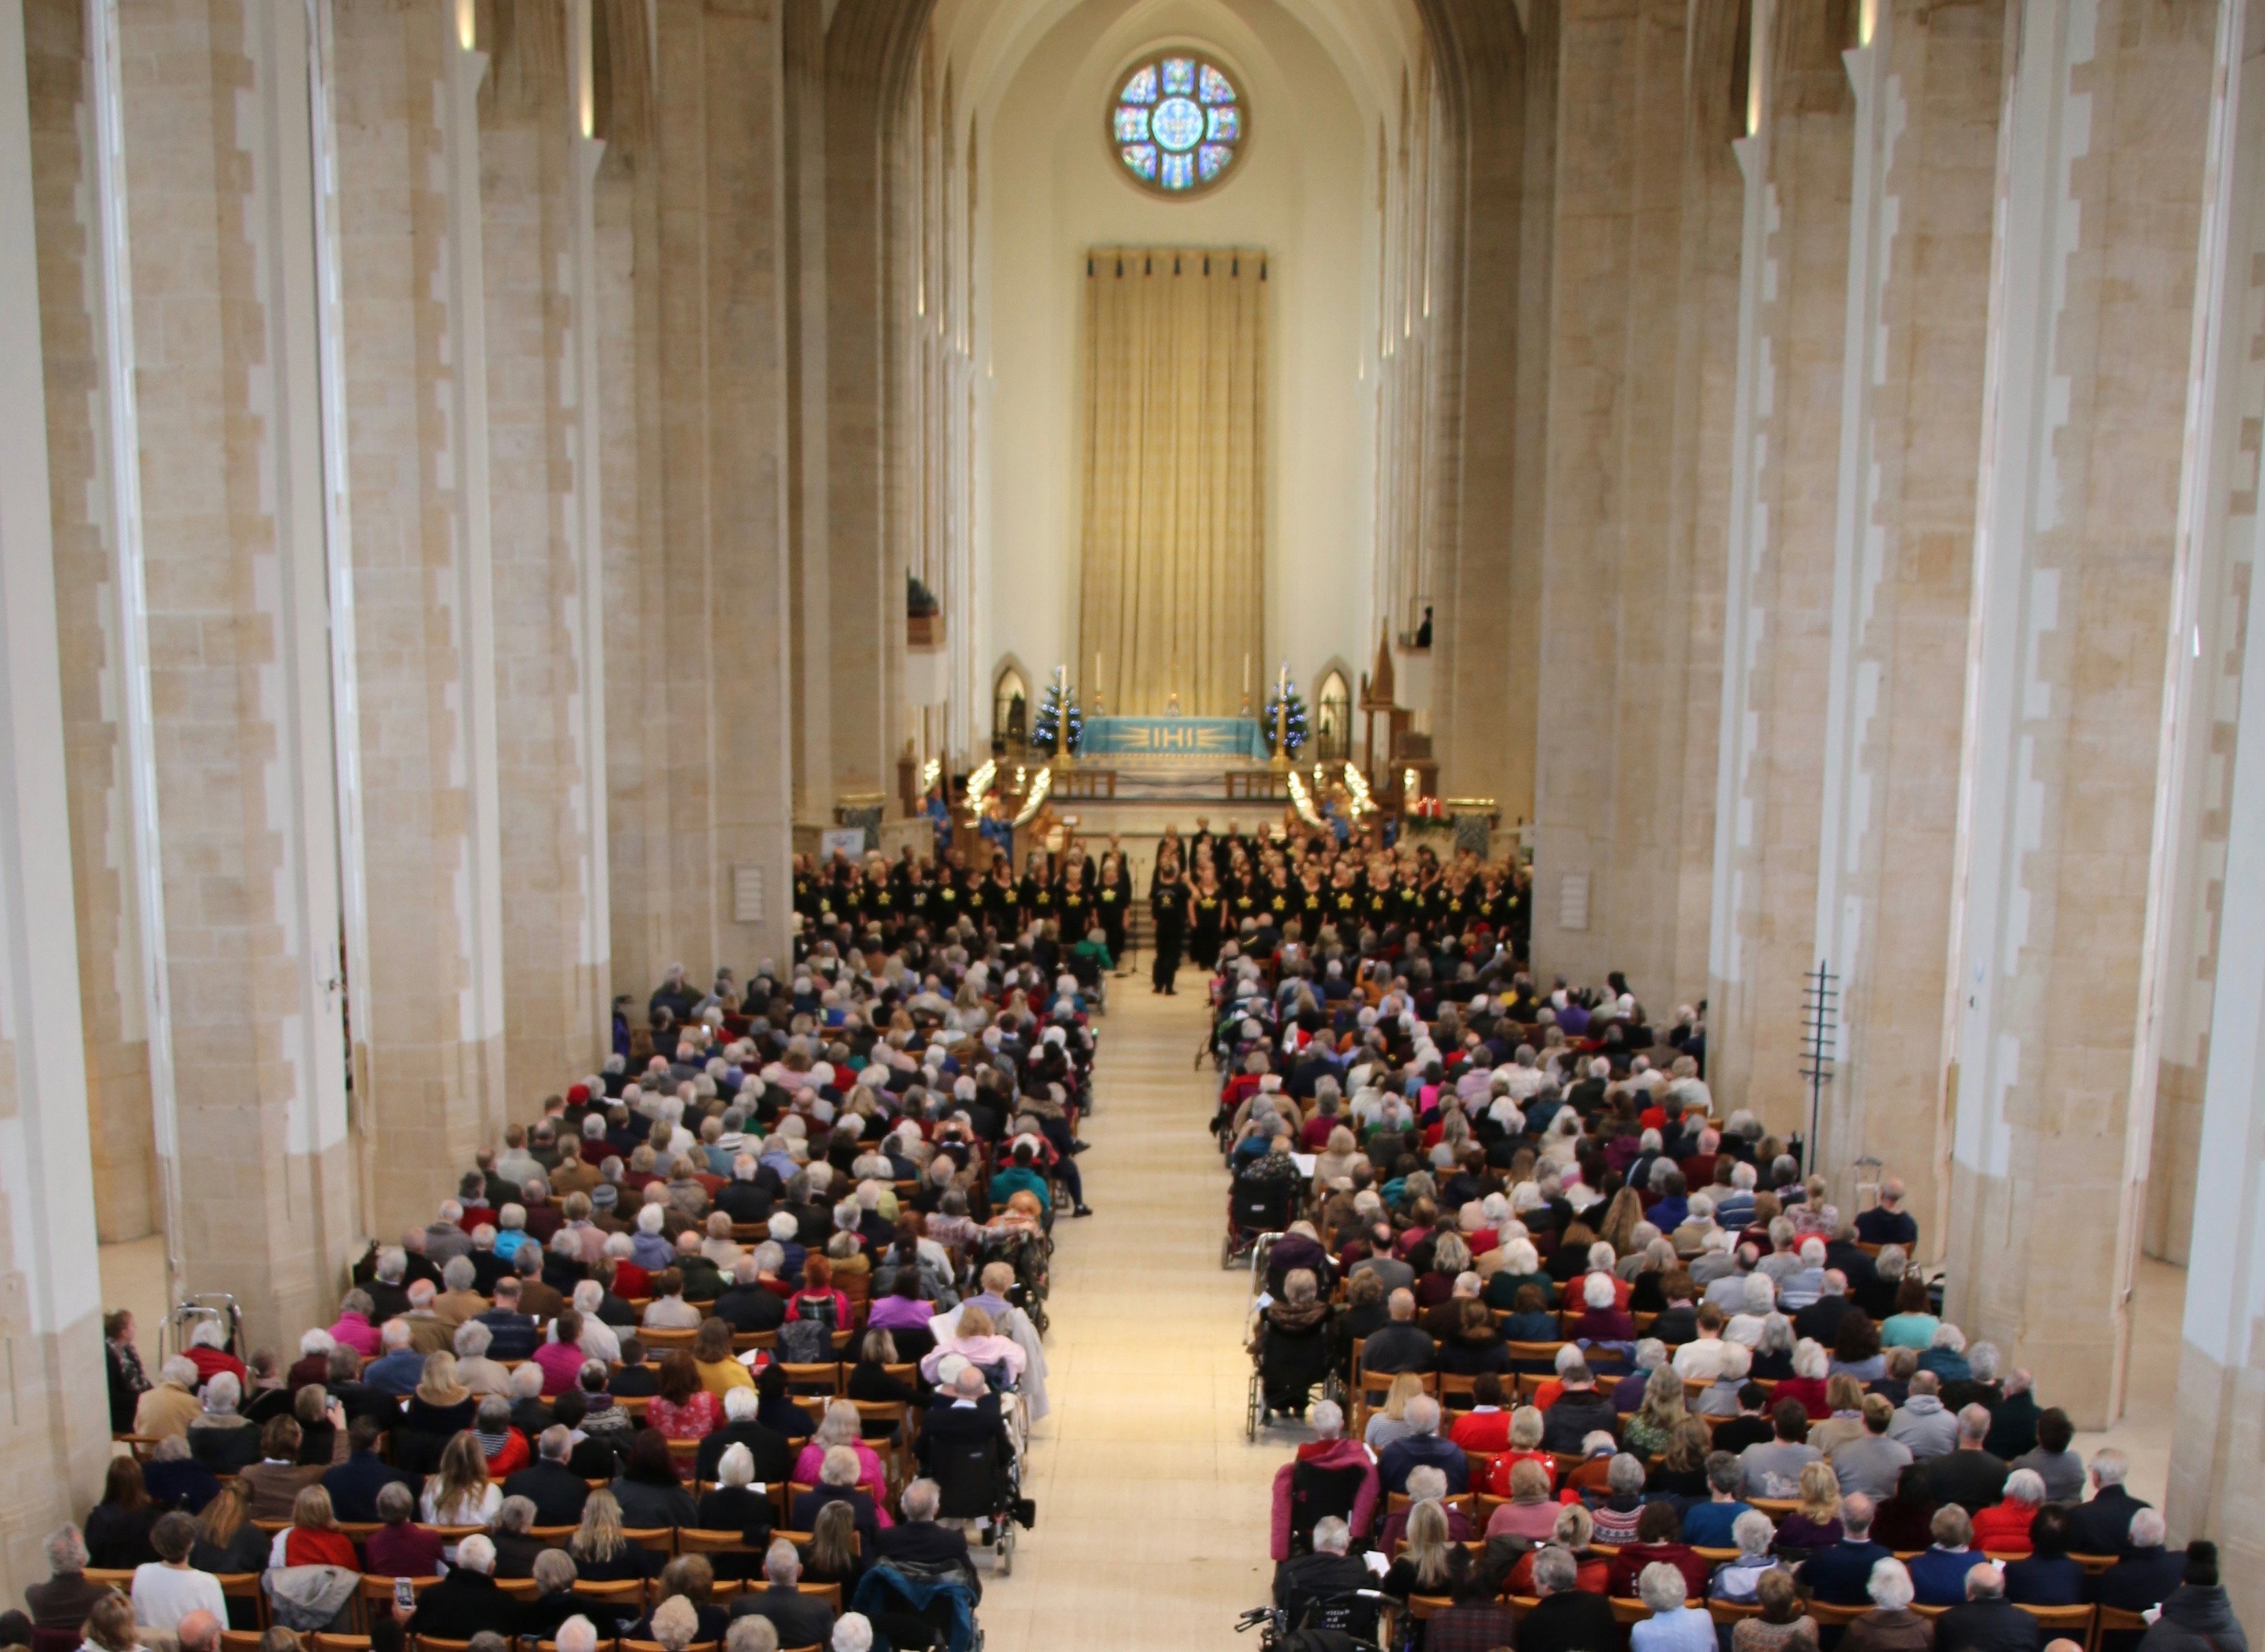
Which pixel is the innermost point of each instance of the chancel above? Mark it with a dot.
(917, 823)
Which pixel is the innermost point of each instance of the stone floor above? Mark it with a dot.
(1152, 1507)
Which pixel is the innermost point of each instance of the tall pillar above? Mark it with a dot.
(221, 197)
(871, 48)
(2062, 855)
(54, 1431)
(430, 1047)
(1928, 83)
(803, 224)
(1484, 718)
(718, 122)
(1778, 619)
(2221, 1395)
(1645, 214)
(89, 368)
(541, 482)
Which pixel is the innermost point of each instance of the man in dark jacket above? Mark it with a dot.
(2196, 1616)
(556, 1490)
(354, 1485)
(1424, 1449)
(917, 1539)
(2103, 1526)
(800, 1619)
(1402, 1345)
(2148, 1573)
(1987, 1622)
(1568, 1619)
(466, 1602)
(773, 1452)
(745, 1305)
(1840, 1575)
(1577, 1413)
(1311, 1583)
(1969, 1476)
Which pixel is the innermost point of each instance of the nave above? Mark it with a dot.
(1152, 1506)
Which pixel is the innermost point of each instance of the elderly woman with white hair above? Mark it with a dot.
(1672, 1627)
(2003, 1528)
(220, 1437)
(1891, 1625)
(1734, 1580)
(1520, 1265)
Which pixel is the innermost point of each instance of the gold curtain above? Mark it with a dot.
(1171, 593)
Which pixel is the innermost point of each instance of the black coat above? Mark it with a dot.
(2103, 1526)
(801, 1620)
(1574, 1621)
(1987, 1626)
(773, 1452)
(463, 1604)
(556, 1490)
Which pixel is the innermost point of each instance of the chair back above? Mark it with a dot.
(2077, 1621)
(661, 1539)
(830, 1593)
(660, 1340)
(627, 1591)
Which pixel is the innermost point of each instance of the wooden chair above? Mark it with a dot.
(1776, 1508)
(1829, 1616)
(143, 1446)
(662, 1341)
(245, 1586)
(697, 1540)
(520, 1587)
(1929, 1612)
(120, 1578)
(1467, 1500)
(742, 1341)
(1726, 1613)
(1534, 1354)
(814, 1379)
(321, 1642)
(240, 1640)
(830, 1593)
(2075, 1622)
(627, 1591)
(2094, 1564)
(661, 1539)
(376, 1590)
(553, 1537)
(434, 1643)
(684, 1454)
(635, 1405)
(1458, 1394)
(2108, 1620)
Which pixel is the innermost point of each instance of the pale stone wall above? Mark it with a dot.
(1799, 314)
(2100, 191)
(1928, 125)
(220, 188)
(54, 1428)
(127, 1200)
(551, 1034)
(423, 606)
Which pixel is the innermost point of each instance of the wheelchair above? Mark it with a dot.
(974, 1484)
(1289, 1373)
(1255, 1210)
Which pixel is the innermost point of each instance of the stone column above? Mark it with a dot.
(724, 482)
(2059, 893)
(55, 1432)
(1928, 83)
(555, 943)
(431, 1046)
(1615, 790)
(1778, 623)
(1484, 718)
(2221, 1394)
(803, 225)
(96, 522)
(871, 48)
(222, 194)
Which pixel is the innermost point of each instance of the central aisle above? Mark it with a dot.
(1152, 1507)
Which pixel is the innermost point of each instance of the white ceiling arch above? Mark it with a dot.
(1371, 42)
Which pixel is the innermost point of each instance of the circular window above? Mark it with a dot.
(1177, 123)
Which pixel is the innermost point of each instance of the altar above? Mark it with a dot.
(1209, 739)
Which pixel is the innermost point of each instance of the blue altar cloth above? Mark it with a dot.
(1174, 737)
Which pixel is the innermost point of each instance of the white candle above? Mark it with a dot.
(1246, 674)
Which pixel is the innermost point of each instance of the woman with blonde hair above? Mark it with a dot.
(227, 1541)
(459, 1492)
(1843, 1399)
(313, 1538)
(1650, 1430)
(834, 1553)
(1618, 1228)
(1429, 1563)
(842, 1426)
(1574, 1532)
(1816, 1525)
(441, 1405)
(1390, 1422)
(602, 1555)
